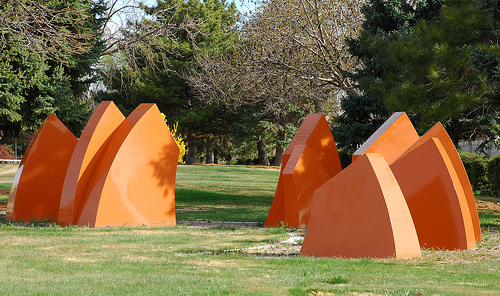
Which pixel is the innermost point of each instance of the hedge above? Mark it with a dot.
(477, 170)
(494, 172)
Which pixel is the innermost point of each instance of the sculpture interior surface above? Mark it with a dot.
(120, 172)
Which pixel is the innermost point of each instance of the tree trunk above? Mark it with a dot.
(192, 153)
(279, 155)
(209, 155)
(261, 149)
(216, 156)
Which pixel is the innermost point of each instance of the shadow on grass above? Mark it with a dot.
(221, 206)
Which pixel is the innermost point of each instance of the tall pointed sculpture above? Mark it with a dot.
(435, 197)
(439, 132)
(133, 182)
(96, 135)
(120, 172)
(36, 191)
(361, 212)
(310, 160)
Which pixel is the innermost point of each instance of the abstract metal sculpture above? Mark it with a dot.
(361, 212)
(364, 211)
(36, 190)
(310, 160)
(121, 171)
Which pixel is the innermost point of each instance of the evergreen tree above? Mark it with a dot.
(35, 83)
(485, 59)
(386, 21)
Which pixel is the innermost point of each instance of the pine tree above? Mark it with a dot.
(35, 83)
(417, 61)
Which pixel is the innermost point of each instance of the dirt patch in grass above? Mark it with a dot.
(490, 204)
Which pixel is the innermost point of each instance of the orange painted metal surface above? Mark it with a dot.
(310, 160)
(361, 212)
(435, 197)
(316, 134)
(439, 132)
(393, 138)
(133, 182)
(302, 175)
(36, 191)
(97, 133)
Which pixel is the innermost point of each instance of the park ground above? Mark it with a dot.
(213, 251)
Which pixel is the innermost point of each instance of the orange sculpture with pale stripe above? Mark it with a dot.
(95, 136)
(37, 186)
(361, 212)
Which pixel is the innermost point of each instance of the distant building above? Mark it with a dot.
(471, 146)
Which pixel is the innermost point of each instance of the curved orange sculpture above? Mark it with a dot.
(435, 197)
(36, 191)
(361, 212)
(310, 159)
(439, 132)
(97, 133)
(391, 139)
(133, 182)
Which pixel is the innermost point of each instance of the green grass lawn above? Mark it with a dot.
(224, 261)
(225, 193)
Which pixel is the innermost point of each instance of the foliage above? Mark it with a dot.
(476, 167)
(178, 139)
(51, 74)
(494, 174)
(385, 22)
(417, 60)
(6, 152)
(164, 83)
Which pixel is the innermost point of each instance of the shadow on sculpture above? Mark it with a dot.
(115, 175)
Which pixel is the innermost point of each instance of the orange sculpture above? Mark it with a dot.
(120, 172)
(391, 139)
(438, 131)
(133, 181)
(361, 212)
(37, 186)
(364, 211)
(435, 197)
(97, 133)
(310, 159)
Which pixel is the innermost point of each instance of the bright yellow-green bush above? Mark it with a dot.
(178, 139)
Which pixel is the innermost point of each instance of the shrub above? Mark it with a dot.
(6, 152)
(178, 139)
(477, 170)
(494, 172)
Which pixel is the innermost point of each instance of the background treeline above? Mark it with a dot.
(484, 172)
(239, 84)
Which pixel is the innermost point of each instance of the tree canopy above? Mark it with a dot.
(48, 50)
(418, 60)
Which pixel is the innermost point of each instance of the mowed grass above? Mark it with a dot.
(7, 173)
(223, 261)
(225, 193)
(193, 261)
